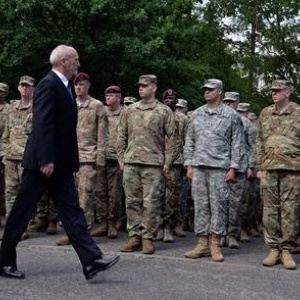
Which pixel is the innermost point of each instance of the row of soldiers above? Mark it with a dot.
(105, 146)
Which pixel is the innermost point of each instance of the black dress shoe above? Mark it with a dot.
(99, 265)
(11, 272)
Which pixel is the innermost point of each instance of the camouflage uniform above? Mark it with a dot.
(141, 146)
(15, 134)
(278, 157)
(3, 117)
(92, 142)
(174, 179)
(109, 183)
(213, 145)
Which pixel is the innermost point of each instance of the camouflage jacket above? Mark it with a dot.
(113, 124)
(278, 138)
(142, 134)
(214, 138)
(17, 127)
(92, 131)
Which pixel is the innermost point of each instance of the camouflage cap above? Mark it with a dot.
(232, 96)
(4, 87)
(281, 84)
(181, 103)
(169, 93)
(129, 100)
(213, 83)
(113, 89)
(147, 79)
(27, 80)
(81, 77)
(243, 107)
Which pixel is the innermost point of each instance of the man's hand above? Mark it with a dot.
(230, 175)
(47, 169)
(122, 166)
(259, 174)
(166, 170)
(189, 172)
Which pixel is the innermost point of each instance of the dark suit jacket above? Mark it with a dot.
(53, 137)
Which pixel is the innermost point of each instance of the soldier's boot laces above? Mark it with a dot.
(201, 250)
(272, 258)
(133, 244)
(287, 260)
(215, 249)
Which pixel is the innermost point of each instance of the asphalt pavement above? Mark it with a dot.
(54, 273)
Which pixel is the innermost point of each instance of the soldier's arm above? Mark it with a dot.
(122, 138)
(172, 141)
(102, 135)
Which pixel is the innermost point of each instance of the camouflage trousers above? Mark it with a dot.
(2, 188)
(108, 193)
(237, 190)
(183, 196)
(47, 208)
(86, 181)
(143, 185)
(280, 192)
(13, 173)
(171, 197)
(210, 193)
(251, 212)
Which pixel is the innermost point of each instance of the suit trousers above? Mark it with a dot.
(63, 191)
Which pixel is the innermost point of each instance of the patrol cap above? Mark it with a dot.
(281, 84)
(147, 79)
(213, 83)
(113, 89)
(129, 100)
(181, 103)
(243, 107)
(252, 116)
(169, 93)
(27, 80)
(232, 96)
(3, 87)
(81, 77)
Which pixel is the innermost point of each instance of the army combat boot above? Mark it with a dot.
(168, 236)
(215, 249)
(39, 226)
(133, 244)
(112, 231)
(147, 246)
(287, 260)
(101, 230)
(232, 242)
(63, 241)
(272, 258)
(52, 227)
(201, 250)
(178, 230)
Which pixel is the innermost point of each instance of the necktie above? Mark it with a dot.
(70, 90)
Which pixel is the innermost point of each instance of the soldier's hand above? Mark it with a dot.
(189, 172)
(122, 166)
(249, 173)
(47, 169)
(166, 170)
(4, 160)
(259, 174)
(230, 175)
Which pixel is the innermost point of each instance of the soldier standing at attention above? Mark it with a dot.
(91, 131)
(212, 154)
(107, 193)
(3, 117)
(278, 165)
(142, 154)
(17, 128)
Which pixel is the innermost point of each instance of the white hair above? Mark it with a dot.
(59, 53)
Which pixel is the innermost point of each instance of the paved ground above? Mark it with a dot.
(54, 273)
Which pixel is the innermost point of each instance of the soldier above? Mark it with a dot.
(278, 165)
(17, 128)
(109, 186)
(3, 117)
(212, 155)
(92, 143)
(143, 157)
(171, 223)
(238, 187)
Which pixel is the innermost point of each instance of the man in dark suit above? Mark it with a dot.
(50, 158)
